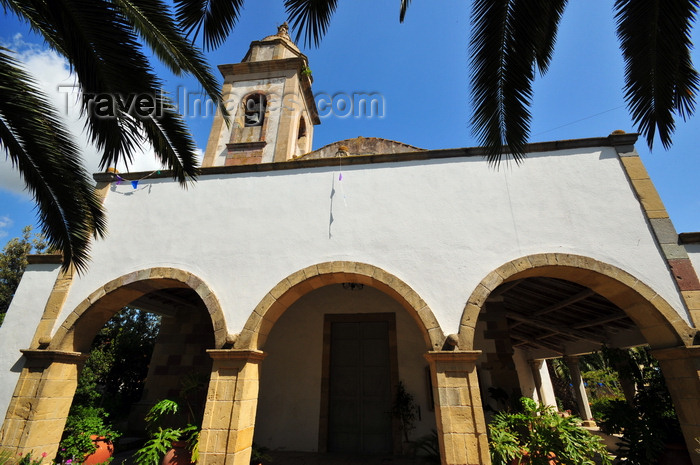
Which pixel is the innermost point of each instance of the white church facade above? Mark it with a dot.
(317, 281)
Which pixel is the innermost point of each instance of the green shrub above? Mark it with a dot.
(533, 435)
(82, 423)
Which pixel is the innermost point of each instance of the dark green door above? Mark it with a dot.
(359, 416)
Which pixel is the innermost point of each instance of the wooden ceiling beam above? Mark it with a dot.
(528, 320)
(540, 344)
(586, 293)
(600, 321)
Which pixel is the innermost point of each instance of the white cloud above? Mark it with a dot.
(51, 72)
(5, 223)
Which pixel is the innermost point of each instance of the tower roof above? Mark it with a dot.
(275, 47)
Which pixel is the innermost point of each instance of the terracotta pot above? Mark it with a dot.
(178, 455)
(104, 451)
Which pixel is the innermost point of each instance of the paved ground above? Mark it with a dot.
(305, 458)
(310, 458)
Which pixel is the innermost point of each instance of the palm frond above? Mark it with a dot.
(404, 7)
(214, 18)
(660, 80)
(33, 136)
(172, 142)
(155, 25)
(310, 18)
(509, 38)
(103, 50)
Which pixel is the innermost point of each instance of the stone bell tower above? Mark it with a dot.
(271, 106)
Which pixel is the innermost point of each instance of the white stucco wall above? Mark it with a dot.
(694, 254)
(290, 386)
(439, 225)
(21, 319)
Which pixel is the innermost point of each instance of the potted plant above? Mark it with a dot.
(174, 431)
(406, 411)
(87, 437)
(538, 435)
(171, 439)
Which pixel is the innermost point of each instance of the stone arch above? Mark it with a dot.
(290, 289)
(77, 330)
(657, 320)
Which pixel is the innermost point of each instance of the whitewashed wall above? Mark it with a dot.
(694, 254)
(439, 225)
(20, 323)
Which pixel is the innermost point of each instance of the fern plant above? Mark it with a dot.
(538, 435)
(163, 437)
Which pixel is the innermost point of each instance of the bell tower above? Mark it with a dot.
(271, 106)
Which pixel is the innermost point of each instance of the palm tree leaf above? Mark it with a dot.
(310, 18)
(171, 142)
(509, 38)
(547, 32)
(111, 68)
(404, 7)
(215, 18)
(151, 19)
(33, 136)
(660, 79)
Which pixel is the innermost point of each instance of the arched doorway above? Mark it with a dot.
(338, 339)
(38, 410)
(554, 305)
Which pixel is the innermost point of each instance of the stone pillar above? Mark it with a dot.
(37, 413)
(232, 401)
(458, 410)
(536, 368)
(584, 409)
(499, 364)
(681, 369)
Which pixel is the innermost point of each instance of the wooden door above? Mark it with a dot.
(360, 386)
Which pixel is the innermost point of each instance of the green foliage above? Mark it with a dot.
(8, 458)
(428, 448)
(114, 372)
(5, 457)
(27, 459)
(13, 261)
(650, 421)
(405, 409)
(534, 434)
(600, 406)
(83, 422)
(162, 437)
(259, 454)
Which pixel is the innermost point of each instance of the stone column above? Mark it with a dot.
(44, 393)
(584, 409)
(499, 364)
(536, 367)
(681, 369)
(232, 401)
(458, 410)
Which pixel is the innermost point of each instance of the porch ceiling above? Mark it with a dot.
(562, 317)
(167, 302)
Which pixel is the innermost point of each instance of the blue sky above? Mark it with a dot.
(420, 68)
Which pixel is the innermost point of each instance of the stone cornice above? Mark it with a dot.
(237, 354)
(612, 140)
(48, 258)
